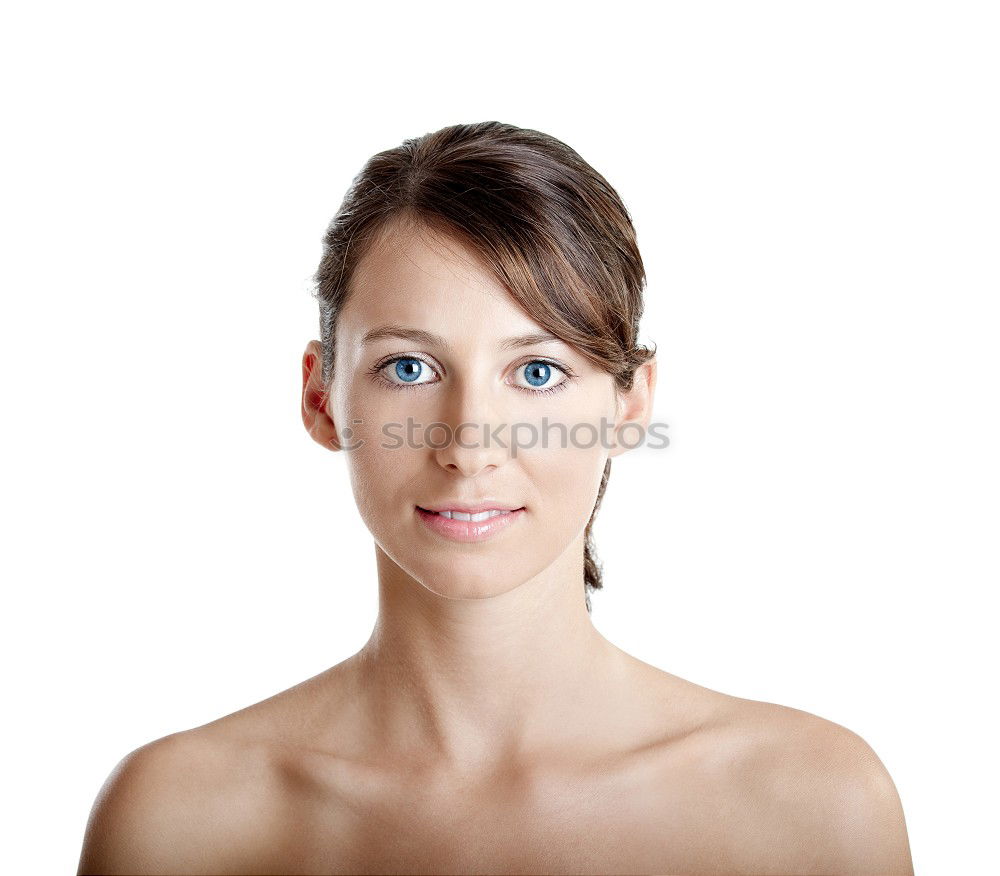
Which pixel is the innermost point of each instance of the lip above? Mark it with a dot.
(485, 505)
(469, 530)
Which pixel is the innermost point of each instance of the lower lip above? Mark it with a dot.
(469, 530)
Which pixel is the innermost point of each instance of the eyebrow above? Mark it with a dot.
(430, 339)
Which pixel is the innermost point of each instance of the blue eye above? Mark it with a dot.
(408, 370)
(537, 372)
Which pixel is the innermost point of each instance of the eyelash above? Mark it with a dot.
(376, 371)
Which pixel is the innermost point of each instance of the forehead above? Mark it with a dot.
(417, 276)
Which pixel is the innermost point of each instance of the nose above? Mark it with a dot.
(475, 442)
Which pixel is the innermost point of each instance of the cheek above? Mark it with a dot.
(384, 474)
(566, 480)
(370, 423)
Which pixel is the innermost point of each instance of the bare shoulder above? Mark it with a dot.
(190, 802)
(219, 798)
(817, 796)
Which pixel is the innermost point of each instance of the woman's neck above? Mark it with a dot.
(472, 683)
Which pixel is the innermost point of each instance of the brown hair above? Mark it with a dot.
(549, 227)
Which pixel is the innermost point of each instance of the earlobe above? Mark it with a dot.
(315, 399)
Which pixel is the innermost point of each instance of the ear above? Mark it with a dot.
(316, 400)
(635, 406)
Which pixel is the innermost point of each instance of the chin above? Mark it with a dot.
(467, 580)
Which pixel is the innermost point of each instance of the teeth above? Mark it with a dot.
(461, 515)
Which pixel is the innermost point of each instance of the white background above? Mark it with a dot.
(815, 189)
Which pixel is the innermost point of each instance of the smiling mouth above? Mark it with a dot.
(478, 517)
(467, 527)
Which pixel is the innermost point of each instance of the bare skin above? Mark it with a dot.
(697, 782)
(487, 726)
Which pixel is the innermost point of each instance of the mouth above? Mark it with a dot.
(475, 514)
(469, 526)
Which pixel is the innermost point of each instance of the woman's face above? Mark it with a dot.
(400, 403)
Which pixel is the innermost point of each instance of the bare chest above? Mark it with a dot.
(603, 823)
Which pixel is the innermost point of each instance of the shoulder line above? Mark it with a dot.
(168, 807)
(823, 789)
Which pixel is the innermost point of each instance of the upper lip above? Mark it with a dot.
(466, 508)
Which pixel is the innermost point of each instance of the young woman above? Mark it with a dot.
(480, 296)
